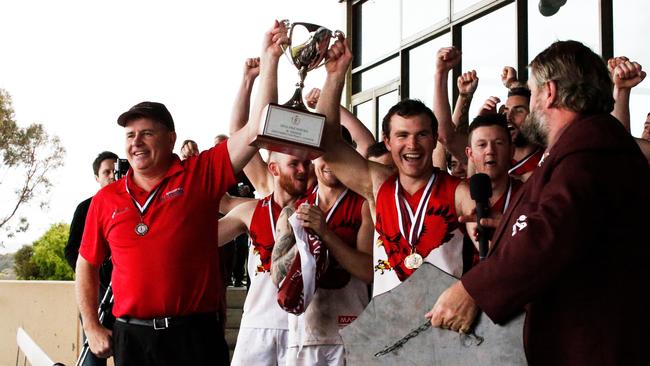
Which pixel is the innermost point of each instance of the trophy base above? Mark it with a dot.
(291, 131)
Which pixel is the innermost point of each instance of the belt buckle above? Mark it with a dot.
(160, 323)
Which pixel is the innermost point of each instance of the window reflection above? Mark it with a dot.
(379, 28)
(422, 68)
(420, 14)
(489, 44)
(381, 74)
(630, 24)
(364, 113)
(576, 20)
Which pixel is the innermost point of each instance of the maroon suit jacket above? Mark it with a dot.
(573, 249)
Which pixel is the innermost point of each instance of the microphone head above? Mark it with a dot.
(480, 187)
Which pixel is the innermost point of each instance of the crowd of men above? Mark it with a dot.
(567, 244)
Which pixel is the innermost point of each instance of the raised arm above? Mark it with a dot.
(446, 59)
(239, 143)
(359, 132)
(350, 167)
(467, 84)
(626, 75)
(509, 78)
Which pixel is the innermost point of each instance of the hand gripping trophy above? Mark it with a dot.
(290, 128)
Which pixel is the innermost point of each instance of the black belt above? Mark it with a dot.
(170, 321)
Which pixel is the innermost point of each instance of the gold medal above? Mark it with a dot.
(141, 229)
(413, 261)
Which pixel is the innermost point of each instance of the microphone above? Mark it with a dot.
(480, 188)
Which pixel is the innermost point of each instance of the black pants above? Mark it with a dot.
(199, 342)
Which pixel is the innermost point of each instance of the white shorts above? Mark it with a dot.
(260, 346)
(325, 355)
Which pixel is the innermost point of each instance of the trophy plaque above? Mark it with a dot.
(290, 128)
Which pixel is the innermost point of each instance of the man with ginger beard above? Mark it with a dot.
(560, 252)
(341, 219)
(263, 331)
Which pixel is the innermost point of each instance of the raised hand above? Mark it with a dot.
(311, 98)
(627, 74)
(338, 56)
(251, 68)
(508, 76)
(447, 58)
(467, 82)
(274, 40)
(490, 106)
(312, 218)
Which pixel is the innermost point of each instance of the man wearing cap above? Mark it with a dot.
(159, 225)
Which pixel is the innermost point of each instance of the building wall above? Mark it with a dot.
(47, 311)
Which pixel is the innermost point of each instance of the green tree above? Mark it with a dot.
(24, 265)
(45, 259)
(49, 256)
(27, 157)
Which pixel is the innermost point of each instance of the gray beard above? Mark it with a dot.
(535, 129)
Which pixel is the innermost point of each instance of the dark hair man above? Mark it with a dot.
(104, 170)
(159, 226)
(398, 198)
(571, 250)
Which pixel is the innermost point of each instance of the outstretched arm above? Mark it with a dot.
(446, 59)
(352, 169)
(239, 143)
(236, 222)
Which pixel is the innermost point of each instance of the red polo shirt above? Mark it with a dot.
(173, 269)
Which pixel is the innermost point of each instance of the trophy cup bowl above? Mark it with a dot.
(290, 128)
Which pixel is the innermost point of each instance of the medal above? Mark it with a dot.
(413, 261)
(141, 229)
(407, 218)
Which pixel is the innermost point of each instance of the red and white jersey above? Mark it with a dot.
(261, 309)
(440, 242)
(527, 164)
(333, 308)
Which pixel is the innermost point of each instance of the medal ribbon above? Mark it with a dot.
(142, 209)
(336, 204)
(505, 205)
(415, 220)
(271, 217)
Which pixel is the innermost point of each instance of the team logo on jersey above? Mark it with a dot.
(119, 211)
(520, 224)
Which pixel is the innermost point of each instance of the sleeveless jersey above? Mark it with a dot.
(333, 309)
(527, 164)
(261, 309)
(440, 242)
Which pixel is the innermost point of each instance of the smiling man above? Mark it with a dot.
(416, 206)
(159, 224)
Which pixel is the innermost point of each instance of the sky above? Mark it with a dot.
(76, 65)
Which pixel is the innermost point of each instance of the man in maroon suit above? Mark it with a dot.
(572, 249)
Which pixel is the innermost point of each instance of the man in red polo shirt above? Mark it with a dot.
(159, 225)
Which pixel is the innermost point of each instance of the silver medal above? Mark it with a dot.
(413, 261)
(141, 229)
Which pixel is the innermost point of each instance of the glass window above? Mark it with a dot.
(385, 102)
(422, 68)
(379, 28)
(576, 20)
(460, 5)
(420, 14)
(364, 113)
(489, 44)
(381, 74)
(630, 24)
